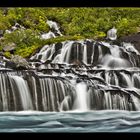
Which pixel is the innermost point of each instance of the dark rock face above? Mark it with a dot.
(11, 65)
(134, 39)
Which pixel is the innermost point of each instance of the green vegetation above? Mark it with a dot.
(75, 23)
(94, 22)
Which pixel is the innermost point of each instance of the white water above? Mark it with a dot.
(48, 35)
(85, 54)
(111, 34)
(127, 80)
(24, 93)
(55, 26)
(49, 94)
(68, 54)
(81, 101)
(136, 80)
(114, 59)
(136, 102)
(3, 93)
(65, 53)
(114, 62)
(130, 48)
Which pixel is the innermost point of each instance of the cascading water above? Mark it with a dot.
(74, 75)
(55, 30)
(111, 34)
(23, 90)
(54, 25)
(81, 101)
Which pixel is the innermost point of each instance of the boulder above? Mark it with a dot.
(20, 62)
(10, 65)
(9, 47)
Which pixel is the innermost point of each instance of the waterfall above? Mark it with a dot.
(136, 80)
(127, 79)
(88, 52)
(48, 35)
(24, 92)
(55, 30)
(100, 53)
(111, 34)
(81, 101)
(114, 59)
(4, 98)
(80, 75)
(85, 54)
(106, 62)
(54, 25)
(136, 102)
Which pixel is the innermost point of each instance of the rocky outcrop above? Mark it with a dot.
(20, 62)
(9, 47)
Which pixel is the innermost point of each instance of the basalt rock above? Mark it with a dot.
(20, 62)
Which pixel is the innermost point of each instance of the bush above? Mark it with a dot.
(75, 24)
(7, 54)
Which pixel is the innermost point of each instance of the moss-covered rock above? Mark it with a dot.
(9, 47)
(20, 62)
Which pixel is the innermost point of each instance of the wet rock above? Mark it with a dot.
(58, 46)
(134, 39)
(20, 62)
(10, 64)
(77, 62)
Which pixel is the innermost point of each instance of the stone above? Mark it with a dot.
(10, 65)
(20, 62)
(9, 47)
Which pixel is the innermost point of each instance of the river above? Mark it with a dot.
(70, 122)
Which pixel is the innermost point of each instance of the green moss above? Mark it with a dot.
(90, 21)
(1, 48)
(7, 54)
(75, 24)
(26, 51)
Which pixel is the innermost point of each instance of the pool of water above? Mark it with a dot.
(67, 122)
